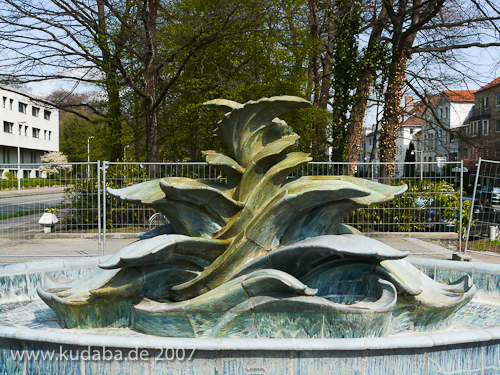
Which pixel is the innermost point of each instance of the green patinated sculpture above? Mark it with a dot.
(261, 255)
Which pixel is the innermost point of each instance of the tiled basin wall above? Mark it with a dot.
(472, 352)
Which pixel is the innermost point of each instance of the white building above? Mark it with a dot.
(441, 123)
(28, 129)
(411, 123)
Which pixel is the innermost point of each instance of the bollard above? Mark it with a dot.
(47, 221)
(493, 232)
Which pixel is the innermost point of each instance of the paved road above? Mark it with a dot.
(12, 205)
(20, 223)
(30, 200)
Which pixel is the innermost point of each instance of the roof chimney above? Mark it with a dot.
(408, 103)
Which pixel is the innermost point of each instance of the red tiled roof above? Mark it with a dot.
(416, 112)
(412, 121)
(495, 82)
(460, 95)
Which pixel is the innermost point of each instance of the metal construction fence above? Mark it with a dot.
(75, 193)
(484, 214)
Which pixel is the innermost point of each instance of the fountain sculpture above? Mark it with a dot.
(259, 255)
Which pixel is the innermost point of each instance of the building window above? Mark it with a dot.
(6, 155)
(11, 103)
(26, 130)
(411, 130)
(485, 102)
(486, 127)
(22, 107)
(474, 127)
(497, 100)
(50, 133)
(35, 111)
(33, 156)
(20, 129)
(36, 133)
(8, 127)
(45, 134)
(4, 101)
(46, 114)
(497, 125)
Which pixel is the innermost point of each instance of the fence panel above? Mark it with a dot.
(124, 218)
(77, 196)
(431, 204)
(484, 216)
(68, 191)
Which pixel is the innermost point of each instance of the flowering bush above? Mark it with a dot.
(56, 162)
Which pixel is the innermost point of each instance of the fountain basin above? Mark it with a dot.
(28, 328)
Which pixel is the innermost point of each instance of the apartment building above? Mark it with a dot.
(441, 122)
(28, 130)
(481, 134)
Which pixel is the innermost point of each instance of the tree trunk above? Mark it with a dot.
(151, 107)
(363, 90)
(151, 125)
(315, 86)
(392, 113)
(113, 115)
(355, 129)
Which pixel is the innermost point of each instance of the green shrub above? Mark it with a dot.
(409, 212)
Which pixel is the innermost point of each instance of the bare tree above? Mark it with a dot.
(116, 45)
(425, 27)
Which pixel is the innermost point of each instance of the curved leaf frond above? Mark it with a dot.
(210, 196)
(165, 249)
(228, 165)
(239, 126)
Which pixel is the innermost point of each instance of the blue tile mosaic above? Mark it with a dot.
(492, 359)
(166, 362)
(330, 362)
(13, 288)
(395, 362)
(256, 362)
(456, 360)
(17, 311)
(8, 364)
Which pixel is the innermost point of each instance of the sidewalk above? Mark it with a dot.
(32, 191)
(42, 249)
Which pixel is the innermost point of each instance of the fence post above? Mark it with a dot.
(99, 227)
(472, 204)
(460, 234)
(104, 183)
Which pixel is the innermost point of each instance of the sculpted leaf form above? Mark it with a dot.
(260, 255)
